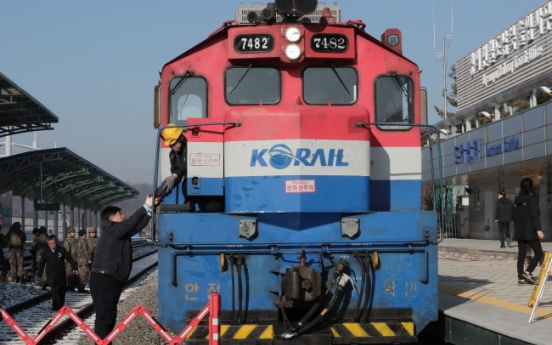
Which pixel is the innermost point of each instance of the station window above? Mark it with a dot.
(188, 99)
(322, 85)
(395, 101)
(252, 85)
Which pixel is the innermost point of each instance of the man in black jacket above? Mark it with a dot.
(113, 262)
(503, 216)
(54, 258)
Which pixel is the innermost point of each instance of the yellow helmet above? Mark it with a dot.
(171, 135)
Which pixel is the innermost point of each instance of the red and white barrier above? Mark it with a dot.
(212, 308)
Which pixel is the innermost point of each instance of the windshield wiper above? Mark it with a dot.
(341, 80)
(243, 76)
(185, 77)
(399, 83)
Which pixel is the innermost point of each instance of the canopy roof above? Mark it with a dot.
(20, 112)
(65, 178)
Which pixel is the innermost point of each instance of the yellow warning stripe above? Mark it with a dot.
(543, 313)
(356, 330)
(244, 331)
(383, 329)
(373, 329)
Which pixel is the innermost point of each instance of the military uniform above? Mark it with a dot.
(16, 239)
(70, 244)
(83, 260)
(92, 242)
(40, 243)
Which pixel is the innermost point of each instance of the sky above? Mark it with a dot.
(94, 64)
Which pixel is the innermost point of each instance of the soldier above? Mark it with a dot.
(4, 264)
(92, 241)
(70, 245)
(16, 239)
(84, 261)
(40, 243)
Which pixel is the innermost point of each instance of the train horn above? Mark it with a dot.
(305, 6)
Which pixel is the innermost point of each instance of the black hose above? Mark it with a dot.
(309, 314)
(233, 289)
(369, 280)
(320, 316)
(361, 291)
(240, 292)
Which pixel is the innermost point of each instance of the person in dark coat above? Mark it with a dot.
(54, 258)
(503, 216)
(527, 230)
(113, 262)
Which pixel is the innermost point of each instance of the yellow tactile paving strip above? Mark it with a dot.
(541, 313)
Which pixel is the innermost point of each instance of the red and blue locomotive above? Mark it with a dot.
(301, 127)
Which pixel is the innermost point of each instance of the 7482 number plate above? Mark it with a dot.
(254, 43)
(329, 43)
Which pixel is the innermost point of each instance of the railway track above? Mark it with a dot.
(32, 315)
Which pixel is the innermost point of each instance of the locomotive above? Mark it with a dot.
(304, 129)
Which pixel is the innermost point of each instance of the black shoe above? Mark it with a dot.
(522, 282)
(502, 246)
(43, 287)
(17, 279)
(528, 277)
(83, 291)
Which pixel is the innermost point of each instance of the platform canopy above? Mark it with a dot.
(20, 112)
(61, 176)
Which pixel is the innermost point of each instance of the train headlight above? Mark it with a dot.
(293, 52)
(293, 34)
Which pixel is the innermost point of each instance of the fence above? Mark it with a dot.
(212, 308)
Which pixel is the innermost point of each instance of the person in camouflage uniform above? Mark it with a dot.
(70, 245)
(40, 243)
(16, 239)
(92, 241)
(83, 260)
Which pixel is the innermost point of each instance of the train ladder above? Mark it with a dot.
(539, 288)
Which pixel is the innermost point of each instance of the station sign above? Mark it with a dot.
(517, 54)
(510, 144)
(469, 152)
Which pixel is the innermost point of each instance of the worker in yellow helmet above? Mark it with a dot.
(177, 142)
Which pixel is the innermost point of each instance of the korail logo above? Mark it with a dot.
(281, 156)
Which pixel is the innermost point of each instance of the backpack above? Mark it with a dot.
(15, 240)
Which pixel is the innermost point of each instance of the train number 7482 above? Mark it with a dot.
(329, 43)
(254, 43)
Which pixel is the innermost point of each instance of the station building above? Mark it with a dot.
(502, 131)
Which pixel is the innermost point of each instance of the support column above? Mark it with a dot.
(496, 113)
(63, 222)
(35, 219)
(56, 223)
(467, 124)
(72, 217)
(23, 213)
(46, 220)
(533, 98)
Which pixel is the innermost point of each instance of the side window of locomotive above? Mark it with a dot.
(395, 101)
(322, 85)
(188, 99)
(253, 85)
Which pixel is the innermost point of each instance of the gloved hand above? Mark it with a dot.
(169, 183)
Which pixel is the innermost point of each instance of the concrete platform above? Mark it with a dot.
(479, 299)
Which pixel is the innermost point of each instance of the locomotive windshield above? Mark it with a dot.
(189, 99)
(328, 84)
(252, 85)
(395, 99)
